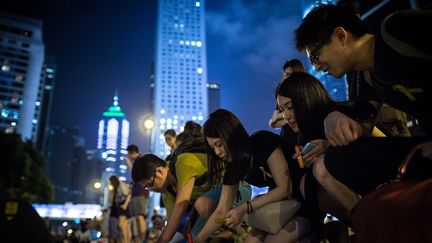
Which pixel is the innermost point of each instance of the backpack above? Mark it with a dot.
(194, 145)
(391, 121)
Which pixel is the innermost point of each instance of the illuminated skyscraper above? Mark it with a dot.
(180, 84)
(43, 102)
(214, 100)
(21, 59)
(113, 139)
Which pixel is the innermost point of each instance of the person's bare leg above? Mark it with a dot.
(205, 206)
(335, 189)
(142, 228)
(293, 231)
(123, 225)
(331, 206)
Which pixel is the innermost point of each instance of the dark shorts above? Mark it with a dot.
(118, 211)
(369, 162)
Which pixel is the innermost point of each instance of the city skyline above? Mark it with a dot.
(111, 47)
(104, 47)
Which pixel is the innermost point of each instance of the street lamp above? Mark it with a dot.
(95, 188)
(147, 125)
(97, 185)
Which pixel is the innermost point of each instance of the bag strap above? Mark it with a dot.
(400, 46)
(404, 165)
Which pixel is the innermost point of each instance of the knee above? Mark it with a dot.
(320, 172)
(204, 205)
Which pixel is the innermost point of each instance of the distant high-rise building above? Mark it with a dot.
(43, 103)
(214, 100)
(59, 155)
(91, 177)
(21, 59)
(113, 139)
(180, 84)
(72, 168)
(87, 170)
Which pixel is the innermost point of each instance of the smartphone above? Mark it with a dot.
(307, 148)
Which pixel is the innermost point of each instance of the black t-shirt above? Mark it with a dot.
(257, 173)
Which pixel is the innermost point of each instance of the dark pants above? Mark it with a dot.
(369, 162)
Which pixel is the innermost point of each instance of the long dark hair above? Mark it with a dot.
(115, 182)
(236, 141)
(310, 100)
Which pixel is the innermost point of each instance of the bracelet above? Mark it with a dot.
(249, 207)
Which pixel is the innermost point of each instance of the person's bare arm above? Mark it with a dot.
(182, 200)
(217, 218)
(277, 119)
(127, 201)
(279, 171)
(128, 163)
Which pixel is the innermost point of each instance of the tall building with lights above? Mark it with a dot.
(214, 100)
(180, 84)
(113, 139)
(43, 102)
(21, 60)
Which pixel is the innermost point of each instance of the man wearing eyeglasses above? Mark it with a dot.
(155, 175)
(392, 65)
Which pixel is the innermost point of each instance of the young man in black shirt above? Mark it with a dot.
(390, 66)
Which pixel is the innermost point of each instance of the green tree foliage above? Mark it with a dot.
(22, 171)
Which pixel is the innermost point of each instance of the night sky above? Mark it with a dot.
(103, 46)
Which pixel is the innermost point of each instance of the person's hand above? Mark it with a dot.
(341, 130)
(234, 216)
(277, 119)
(321, 146)
(123, 206)
(427, 150)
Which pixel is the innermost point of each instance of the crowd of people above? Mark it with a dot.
(328, 157)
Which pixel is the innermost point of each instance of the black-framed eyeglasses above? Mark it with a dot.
(150, 186)
(315, 53)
